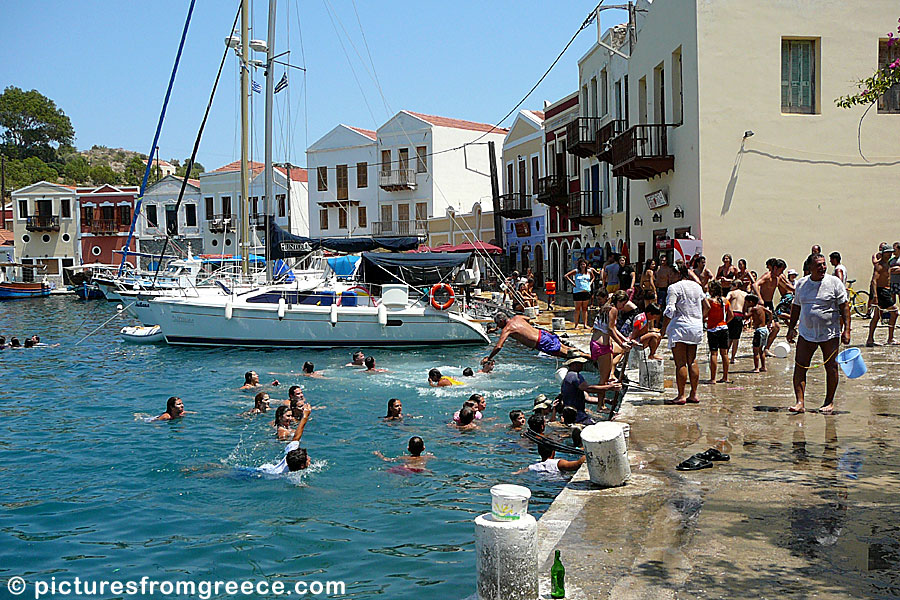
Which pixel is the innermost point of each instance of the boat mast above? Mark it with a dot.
(270, 95)
(245, 137)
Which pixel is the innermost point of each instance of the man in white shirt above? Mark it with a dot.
(295, 457)
(821, 307)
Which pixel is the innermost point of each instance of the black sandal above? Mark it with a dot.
(694, 463)
(713, 454)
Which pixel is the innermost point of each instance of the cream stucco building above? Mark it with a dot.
(46, 227)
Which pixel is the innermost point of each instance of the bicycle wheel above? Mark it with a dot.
(860, 304)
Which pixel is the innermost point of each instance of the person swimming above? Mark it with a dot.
(174, 410)
(251, 381)
(466, 419)
(394, 410)
(295, 457)
(260, 405)
(517, 420)
(436, 379)
(370, 366)
(357, 359)
(309, 370)
(283, 422)
(416, 457)
(468, 372)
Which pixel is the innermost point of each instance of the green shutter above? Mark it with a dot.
(797, 76)
(785, 76)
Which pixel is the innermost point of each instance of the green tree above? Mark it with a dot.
(20, 173)
(872, 88)
(77, 169)
(32, 124)
(134, 170)
(101, 174)
(196, 169)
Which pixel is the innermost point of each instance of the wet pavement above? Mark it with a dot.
(807, 507)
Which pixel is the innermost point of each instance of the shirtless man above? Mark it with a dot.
(665, 276)
(526, 334)
(370, 366)
(416, 458)
(174, 410)
(882, 298)
(702, 273)
(765, 287)
(736, 298)
(357, 360)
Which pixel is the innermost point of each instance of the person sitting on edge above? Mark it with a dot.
(283, 422)
(435, 379)
(646, 330)
(519, 329)
(260, 405)
(174, 410)
(517, 420)
(576, 436)
(394, 410)
(295, 457)
(370, 366)
(468, 372)
(574, 390)
(551, 465)
(758, 315)
(416, 457)
(357, 359)
(466, 419)
(251, 381)
(309, 370)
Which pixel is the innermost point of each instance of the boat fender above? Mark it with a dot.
(229, 310)
(382, 315)
(334, 314)
(281, 307)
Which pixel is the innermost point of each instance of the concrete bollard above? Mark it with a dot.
(651, 374)
(635, 358)
(558, 323)
(506, 558)
(606, 453)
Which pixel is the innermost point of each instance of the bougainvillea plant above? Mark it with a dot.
(872, 88)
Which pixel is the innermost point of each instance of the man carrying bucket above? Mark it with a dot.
(820, 304)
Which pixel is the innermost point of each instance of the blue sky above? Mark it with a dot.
(106, 64)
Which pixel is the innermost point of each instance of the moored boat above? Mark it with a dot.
(17, 282)
(142, 335)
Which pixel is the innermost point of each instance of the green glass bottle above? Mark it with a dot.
(557, 578)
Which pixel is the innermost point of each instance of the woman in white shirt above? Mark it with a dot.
(683, 319)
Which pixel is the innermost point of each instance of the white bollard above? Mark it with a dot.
(506, 558)
(606, 454)
(558, 323)
(651, 374)
(635, 358)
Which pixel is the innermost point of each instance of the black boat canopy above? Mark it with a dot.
(423, 268)
(287, 245)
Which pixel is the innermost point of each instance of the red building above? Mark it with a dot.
(106, 214)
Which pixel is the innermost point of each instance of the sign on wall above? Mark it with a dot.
(657, 199)
(685, 250)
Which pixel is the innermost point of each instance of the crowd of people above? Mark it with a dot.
(15, 343)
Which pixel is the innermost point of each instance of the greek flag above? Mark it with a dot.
(256, 87)
(282, 83)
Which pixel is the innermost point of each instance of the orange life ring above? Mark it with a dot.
(437, 287)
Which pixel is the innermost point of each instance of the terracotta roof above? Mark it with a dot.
(297, 173)
(6, 237)
(538, 113)
(163, 163)
(236, 166)
(366, 132)
(457, 123)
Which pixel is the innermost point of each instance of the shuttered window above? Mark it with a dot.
(890, 101)
(342, 182)
(798, 76)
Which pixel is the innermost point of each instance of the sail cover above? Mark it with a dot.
(287, 245)
(423, 268)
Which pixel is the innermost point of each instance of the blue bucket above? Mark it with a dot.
(851, 362)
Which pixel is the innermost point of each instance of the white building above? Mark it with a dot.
(46, 227)
(414, 167)
(158, 217)
(220, 191)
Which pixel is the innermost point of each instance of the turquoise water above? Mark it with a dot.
(90, 489)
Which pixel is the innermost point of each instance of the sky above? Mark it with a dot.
(106, 64)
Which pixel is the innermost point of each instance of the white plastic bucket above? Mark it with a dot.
(559, 323)
(509, 502)
(780, 350)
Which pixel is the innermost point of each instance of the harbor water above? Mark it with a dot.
(91, 489)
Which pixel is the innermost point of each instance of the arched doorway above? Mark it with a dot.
(538, 266)
(525, 264)
(563, 265)
(553, 263)
(607, 251)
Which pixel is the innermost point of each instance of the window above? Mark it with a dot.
(87, 215)
(595, 100)
(890, 100)
(125, 215)
(659, 95)
(421, 163)
(677, 88)
(108, 214)
(403, 212)
(403, 159)
(226, 206)
(190, 215)
(254, 206)
(322, 178)
(281, 201)
(342, 184)
(65, 208)
(151, 216)
(23, 209)
(421, 212)
(604, 93)
(535, 174)
(362, 174)
(210, 209)
(342, 217)
(323, 219)
(620, 114)
(798, 76)
(387, 213)
(620, 194)
(642, 100)
(361, 218)
(385, 160)
(509, 178)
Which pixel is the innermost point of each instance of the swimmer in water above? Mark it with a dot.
(260, 405)
(358, 359)
(466, 419)
(487, 366)
(251, 381)
(295, 457)
(295, 392)
(174, 410)
(370, 366)
(468, 372)
(283, 422)
(309, 370)
(416, 458)
(394, 410)
(435, 379)
(517, 418)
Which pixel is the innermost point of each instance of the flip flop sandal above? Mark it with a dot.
(694, 463)
(676, 402)
(713, 454)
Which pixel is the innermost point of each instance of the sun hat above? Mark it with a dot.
(541, 402)
(572, 361)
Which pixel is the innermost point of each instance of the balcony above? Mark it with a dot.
(641, 152)
(605, 136)
(399, 228)
(104, 227)
(584, 208)
(42, 223)
(552, 191)
(397, 180)
(582, 136)
(221, 224)
(515, 206)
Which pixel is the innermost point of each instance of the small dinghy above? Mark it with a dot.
(142, 334)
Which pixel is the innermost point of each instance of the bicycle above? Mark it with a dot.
(859, 301)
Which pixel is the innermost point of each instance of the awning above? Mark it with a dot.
(287, 245)
(337, 203)
(478, 246)
(424, 268)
